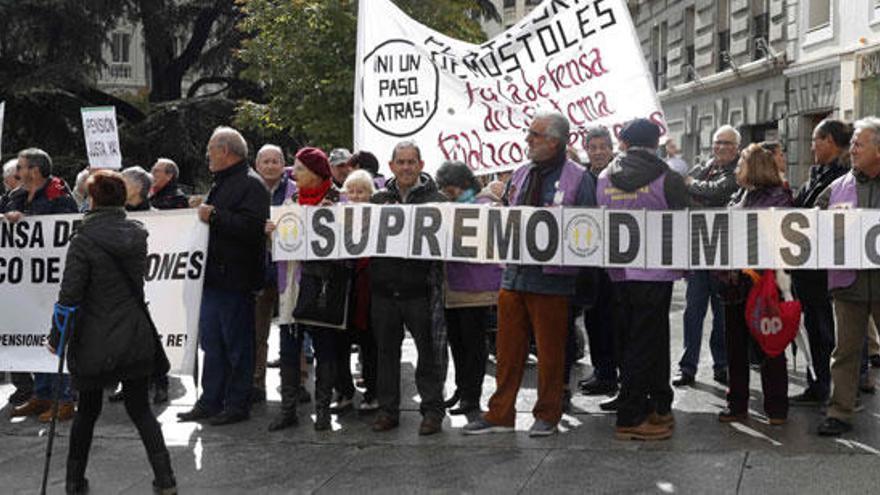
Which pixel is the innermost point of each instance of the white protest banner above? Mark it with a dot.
(718, 239)
(102, 137)
(2, 113)
(474, 103)
(32, 256)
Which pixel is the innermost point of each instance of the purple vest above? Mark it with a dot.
(473, 277)
(566, 194)
(650, 197)
(843, 195)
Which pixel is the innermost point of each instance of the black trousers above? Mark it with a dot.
(369, 361)
(137, 406)
(643, 329)
(466, 332)
(388, 316)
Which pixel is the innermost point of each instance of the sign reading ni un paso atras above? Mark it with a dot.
(686, 239)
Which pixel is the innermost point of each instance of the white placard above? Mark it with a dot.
(474, 103)
(30, 277)
(840, 239)
(583, 236)
(666, 242)
(625, 238)
(541, 230)
(102, 137)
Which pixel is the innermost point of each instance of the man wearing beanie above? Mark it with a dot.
(236, 210)
(637, 179)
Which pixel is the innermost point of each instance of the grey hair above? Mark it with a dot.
(271, 147)
(406, 145)
(35, 157)
(232, 140)
(728, 128)
(557, 127)
(600, 131)
(169, 166)
(140, 177)
(871, 123)
(9, 167)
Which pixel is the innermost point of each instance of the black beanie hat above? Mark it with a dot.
(641, 132)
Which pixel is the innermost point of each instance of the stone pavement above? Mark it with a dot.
(702, 457)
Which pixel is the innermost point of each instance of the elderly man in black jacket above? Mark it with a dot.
(401, 295)
(709, 186)
(236, 209)
(166, 193)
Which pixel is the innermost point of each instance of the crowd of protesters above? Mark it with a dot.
(368, 304)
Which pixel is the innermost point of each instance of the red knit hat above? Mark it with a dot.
(315, 160)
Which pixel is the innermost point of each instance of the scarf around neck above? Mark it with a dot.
(312, 196)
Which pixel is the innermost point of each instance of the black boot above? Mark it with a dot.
(325, 376)
(164, 482)
(76, 481)
(289, 397)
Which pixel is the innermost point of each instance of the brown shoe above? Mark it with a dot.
(667, 420)
(430, 426)
(728, 416)
(385, 423)
(646, 431)
(777, 421)
(32, 407)
(66, 411)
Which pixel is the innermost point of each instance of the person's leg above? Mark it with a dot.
(368, 368)
(549, 317)
(696, 303)
(214, 370)
(639, 356)
(429, 376)
(238, 334)
(774, 383)
(137, 406)
(388, 326)
(716, 338)
(819, 323)
(737, 336)
(852, 324)
(326, 363)
(570, 344)
(24, 385)
(475, 355)
(661, 394)
(599, 321)
(290, 342)
(511, 351)
(90, 403)
(455, 329)
(264, 307)
(343, 382)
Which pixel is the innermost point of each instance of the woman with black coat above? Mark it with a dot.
(113, 339)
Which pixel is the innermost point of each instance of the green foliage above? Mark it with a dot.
(303, 52)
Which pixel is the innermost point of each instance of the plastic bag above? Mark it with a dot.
(773, 323)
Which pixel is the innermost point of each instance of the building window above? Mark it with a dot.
(690, 32)
(534, 2)
(120, 48)
(509, 4)
(723, 41)
(760, 29)
(659, 49)
(819, 14)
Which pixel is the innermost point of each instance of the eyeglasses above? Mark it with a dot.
(537, 134)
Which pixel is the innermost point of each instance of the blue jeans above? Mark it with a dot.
(226, 334)
(44, 384)
(701, 289)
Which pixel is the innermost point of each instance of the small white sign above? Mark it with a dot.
(102, 137)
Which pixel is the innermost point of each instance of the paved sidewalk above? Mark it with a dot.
(702, 457)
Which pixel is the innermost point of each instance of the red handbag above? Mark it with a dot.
(772, 323)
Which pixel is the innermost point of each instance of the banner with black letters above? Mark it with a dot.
(32, 256)
(574, 236)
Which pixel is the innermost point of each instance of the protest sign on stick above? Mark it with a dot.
(102, 137)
